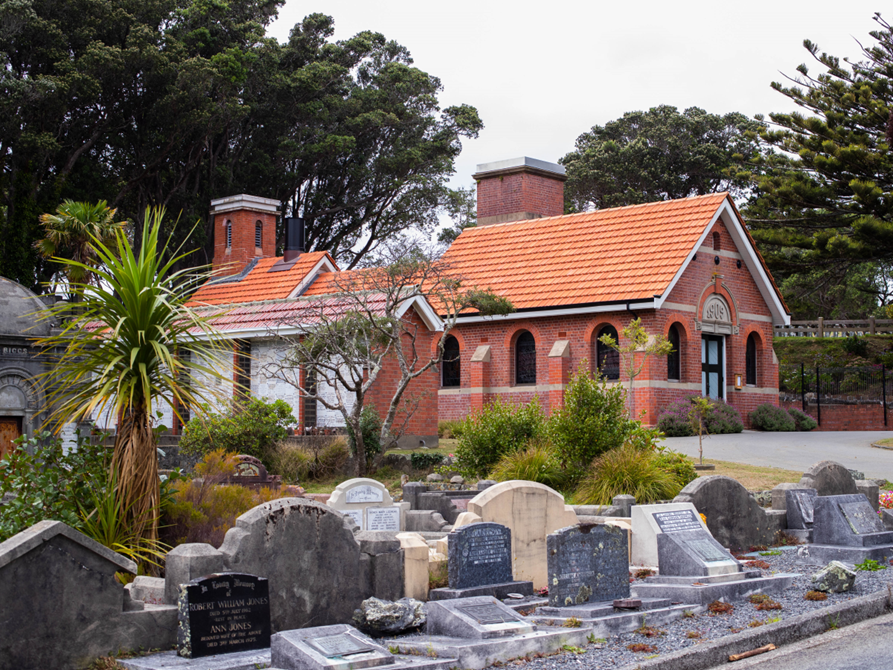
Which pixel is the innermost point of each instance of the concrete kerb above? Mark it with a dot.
(795, 629)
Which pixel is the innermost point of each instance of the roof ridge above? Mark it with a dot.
(656, 203)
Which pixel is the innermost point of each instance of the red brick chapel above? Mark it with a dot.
(688, 268)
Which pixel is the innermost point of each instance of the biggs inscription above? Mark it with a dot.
(223, 613)
(677, 520)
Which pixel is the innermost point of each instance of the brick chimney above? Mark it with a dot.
(244, 228)
(518, 189)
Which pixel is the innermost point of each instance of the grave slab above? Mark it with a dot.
(616, 622)
(648, 521)
(847, 529)
(587, 564)
(480, 617)
(225, 612)
(242, 660)
(693, 552)
(800, 506)
(705, 590)
(341, 647)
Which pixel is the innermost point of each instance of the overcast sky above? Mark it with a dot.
(542, 73)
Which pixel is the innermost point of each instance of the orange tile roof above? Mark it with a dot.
(260, 284)
(625, 253)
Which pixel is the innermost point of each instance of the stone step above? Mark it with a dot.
(696, 590)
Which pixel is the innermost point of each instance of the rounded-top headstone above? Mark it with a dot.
(829, 479)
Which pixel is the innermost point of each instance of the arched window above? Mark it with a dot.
(750, 360)
(716, 246)
(525, 359)
(674, 358)
(229, 234)
(607, 359)
(258, 234)
(451, 364)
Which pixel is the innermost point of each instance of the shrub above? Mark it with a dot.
(254, 428)
(292, 463)
(626, 470)
(202, 509)
(425, 461)
(592, 421)
(535, 463)
(772, 418)
(500, 428)
(331, 459)
(675, 420)
(802, 420)
(49, 483)
(449, 429)
(680, 465)
(855, 345)
(370, 428)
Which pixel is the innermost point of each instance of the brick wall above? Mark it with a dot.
(653, 391)
(862, 416)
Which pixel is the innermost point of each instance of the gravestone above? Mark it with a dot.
(693, 553)
(479, 617)
(251, 473)
(846, 528)
(479, 562)
(587, 564)
(734, 517)
(223, 613)
(648, 521)
(338, 647)
(829, 479)
(532, 511)
(800, 506)
(369, 504)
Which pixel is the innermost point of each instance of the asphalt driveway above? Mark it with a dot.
(796, 451)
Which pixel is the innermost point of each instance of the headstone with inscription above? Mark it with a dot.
(223, 613)
(479, 617)
(693, 553)
(479, 562)
(338, 647)
(587, 564)
(649, 521)
(369, 504)
(800, 507)
(846, 528)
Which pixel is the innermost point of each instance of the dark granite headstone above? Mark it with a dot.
(677, 520)
(862, 518)
(848, 521)
(587, 564)
(479, 554)
(223, 613)
(693, 553)
(800, 506)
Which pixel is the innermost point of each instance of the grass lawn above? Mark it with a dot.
(752, 477)
(886, 443)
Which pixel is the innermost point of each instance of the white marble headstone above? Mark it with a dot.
(650, 520)
(356, 497)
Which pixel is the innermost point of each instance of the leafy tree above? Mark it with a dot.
(69, 231)
(173, 103)
(461, 206)
(366, 323)
(122, 352)
(825, 206)
(659, 155)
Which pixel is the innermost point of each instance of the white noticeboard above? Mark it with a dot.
(383, 518)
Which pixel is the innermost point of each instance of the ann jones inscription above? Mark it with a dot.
(223, 613)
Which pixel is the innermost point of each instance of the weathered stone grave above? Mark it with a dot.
(829, 479)
(587, 564)
(532, 511)
(341, 647)
(369, 504)
(251, 473)
(648, 521)
(223, 613)
(62, 605)
(479, 562)
(693, 566)
(479, 617)
(800, 508)
(846, 528)
(734, 518)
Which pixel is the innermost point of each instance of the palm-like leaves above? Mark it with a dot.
(70, 232)
(124, 349)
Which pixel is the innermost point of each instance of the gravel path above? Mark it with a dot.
(687, 632)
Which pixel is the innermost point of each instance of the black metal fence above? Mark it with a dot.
(835, 386)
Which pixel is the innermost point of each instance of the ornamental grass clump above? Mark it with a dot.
(535, 463)
(627, 470)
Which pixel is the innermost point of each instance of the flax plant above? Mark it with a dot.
(128, 346)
